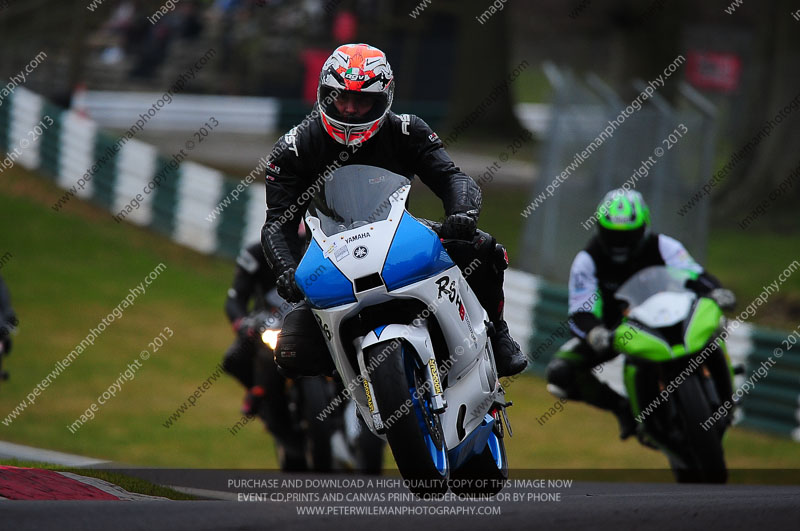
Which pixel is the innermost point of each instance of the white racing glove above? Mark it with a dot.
(600, 338)
(723, 297)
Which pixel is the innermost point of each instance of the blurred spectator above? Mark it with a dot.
(255, 40)
(187, 21)
(345, 27)
(313, 59)
(152, 46)
(122, 17)
(119, 29)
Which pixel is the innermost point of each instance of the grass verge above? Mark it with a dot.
(70, 268)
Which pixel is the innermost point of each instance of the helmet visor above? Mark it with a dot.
(351, 107)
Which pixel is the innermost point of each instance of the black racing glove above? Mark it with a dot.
(460, 226)
(288, 288)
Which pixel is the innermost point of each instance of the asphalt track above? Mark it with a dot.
(584, 505)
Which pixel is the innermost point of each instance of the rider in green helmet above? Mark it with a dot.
(622, 246)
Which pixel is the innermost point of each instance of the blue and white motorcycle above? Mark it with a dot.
(406, 333)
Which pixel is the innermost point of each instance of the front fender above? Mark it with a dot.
(417, 336)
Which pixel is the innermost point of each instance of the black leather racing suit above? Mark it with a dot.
(251, 283)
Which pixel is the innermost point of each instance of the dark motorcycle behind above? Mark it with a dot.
(310, 435)
(3, 354)
(6, 332)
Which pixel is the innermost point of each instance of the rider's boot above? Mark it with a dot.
(507, 355)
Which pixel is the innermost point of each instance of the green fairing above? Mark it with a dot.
(702, 325)
(643, 344)
(630, 385)
(597, 310)
(568, 355)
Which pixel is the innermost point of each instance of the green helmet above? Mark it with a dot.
(623, 224)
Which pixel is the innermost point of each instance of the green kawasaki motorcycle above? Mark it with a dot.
(677, 372)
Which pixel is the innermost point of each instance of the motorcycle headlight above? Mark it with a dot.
(270, 338)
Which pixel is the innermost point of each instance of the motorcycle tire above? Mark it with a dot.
(369, 451)
(413, 431)
(485, 473)
(703, 459)
(317, 433)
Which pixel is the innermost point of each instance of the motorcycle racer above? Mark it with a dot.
(355, 125)
(623, 245)
(247, 296)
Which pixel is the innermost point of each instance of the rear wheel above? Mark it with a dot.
(412, 429)
(702, 459)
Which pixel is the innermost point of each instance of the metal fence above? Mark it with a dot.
(593, 145)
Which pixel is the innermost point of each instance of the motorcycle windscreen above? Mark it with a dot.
(651, 281)
(664, 309)
(354, 196)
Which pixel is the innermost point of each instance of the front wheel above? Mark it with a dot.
(487, 472)
(702, 459)
(317, 431)
(412, 429)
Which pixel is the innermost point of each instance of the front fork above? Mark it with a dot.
(430, 370)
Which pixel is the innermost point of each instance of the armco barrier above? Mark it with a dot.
(251, 115)
(178, 208)
(773, 404)
(550, 328)
(122, 167)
